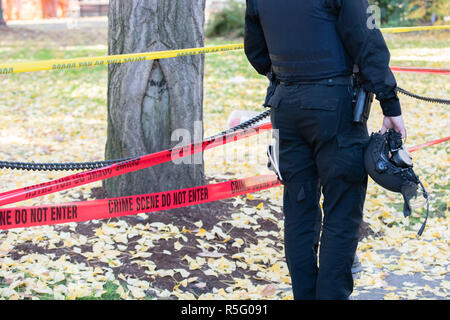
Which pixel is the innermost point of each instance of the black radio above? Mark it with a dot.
(362, 104)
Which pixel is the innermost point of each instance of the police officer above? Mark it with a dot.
(309, 49)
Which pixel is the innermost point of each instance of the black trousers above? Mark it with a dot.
(320, 152)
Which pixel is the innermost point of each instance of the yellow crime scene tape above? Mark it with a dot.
(64, 64)
(412, 29)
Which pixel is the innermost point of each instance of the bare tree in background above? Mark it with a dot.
(148, 100)
(2, 19)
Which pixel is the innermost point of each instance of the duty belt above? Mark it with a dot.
(341, 80)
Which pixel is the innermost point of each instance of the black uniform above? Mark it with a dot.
(309, 49)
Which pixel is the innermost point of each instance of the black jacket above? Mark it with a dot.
(366, 46)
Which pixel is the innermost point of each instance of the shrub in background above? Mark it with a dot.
(412, 12)
(229, 22)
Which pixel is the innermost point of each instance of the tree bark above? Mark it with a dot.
(148, 100)
(2, 19)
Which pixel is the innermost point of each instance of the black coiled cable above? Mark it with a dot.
(247, 124)
(427, 99)
(70, 166)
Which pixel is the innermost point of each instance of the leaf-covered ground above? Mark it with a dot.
(225, 250)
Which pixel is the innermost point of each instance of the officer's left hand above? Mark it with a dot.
(395, 123)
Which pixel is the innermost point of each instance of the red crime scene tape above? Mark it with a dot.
(428, 144)
(421, 70)
(24, 217)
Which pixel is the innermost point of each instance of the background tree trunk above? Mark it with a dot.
(2, 19)
(147, 101)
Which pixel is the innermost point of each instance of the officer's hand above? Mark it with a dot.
(395, 123)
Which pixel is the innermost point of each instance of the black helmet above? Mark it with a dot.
(389, 164)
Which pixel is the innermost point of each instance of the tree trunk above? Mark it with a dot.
(2, 19)
(148, 100)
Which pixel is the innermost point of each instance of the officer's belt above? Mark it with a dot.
(340, 80)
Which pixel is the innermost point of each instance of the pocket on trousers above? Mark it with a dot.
(326, 104)
(319, 118)
(349, 160)
(309, 97)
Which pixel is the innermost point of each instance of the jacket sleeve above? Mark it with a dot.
(367, 47)
(255, 46)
